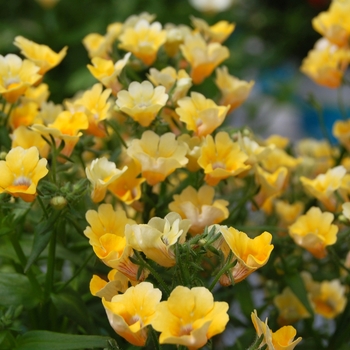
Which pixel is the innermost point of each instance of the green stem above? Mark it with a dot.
(9, 113)
(50, 273)
(115, 129)
(222, 271)
(183, 276)
(42, 207)
(154, 337)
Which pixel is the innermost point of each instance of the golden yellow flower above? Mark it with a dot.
(202, 57)
(314, 231)
(38, 94)
(190, 317)
(24, 114)
(288, 212)
(199, 207)
(41, 55)
(341, 131)
(16, 76)
(157, 238)
(278, 141)
(159, 156)
(221, 158)
(323, 187)
(130, 313)
(233, 90)
(21, 171)
(279, 158)
(326, 63)
(250, 254)
(142, 101)
(143, 40)
(97, 45)
(201, 115)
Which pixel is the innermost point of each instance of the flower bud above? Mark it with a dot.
(58, 202)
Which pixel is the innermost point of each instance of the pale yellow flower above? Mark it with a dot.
(97, 45)
(16, 76)
(159, 156)
(233, 90)
(200, 207)
(278, 141)
(250, 254)
(314, 231)
(194, 144)
(346, 210)
(202, 57)
(142, 101)
(279, 158)
(190, 317)
(211, 6)
(221, 158)
(38, 94)
(130, 313)
(201, 115)
(21, 171)
(341, 130)
(41, 55)
(143, 40)
(175, 36)
(49, 112)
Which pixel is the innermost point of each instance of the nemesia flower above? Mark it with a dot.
(282, 339)
(159, 156)
(97, 45)
(130, 313)
(16, 76)
(21, 171)
(250, 254)
(38, 94)
(199, 207)
(221, 158)
(142, 102)
(233, 90)
(24, 115)
(202, 57)
(200, 114)
(314, 231)
(341, 131)
(49, 112)
(324, 186)
(143, 40)
(194, 144)
(278, 141)
(279, 158)
(41, 55)
(101, 173)
(190, 317)
(326, 64)
(157, 238)
(175, 35)
(288, 212)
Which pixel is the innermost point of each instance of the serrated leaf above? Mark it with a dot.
(44, 340)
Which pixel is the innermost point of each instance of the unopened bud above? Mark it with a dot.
(58, 202)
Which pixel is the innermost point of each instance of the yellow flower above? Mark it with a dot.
(175, 36)
(324, 186)
(287, 212)
(143, 40)
(279, 158)
(314, 231)
(41, 55)
(341, 130)
(38, 94)
(16, 76)
(218, 32)
(130, 313)
(251, 254)
(201, 115)
(202, 57)
(95, 106)
(194, 145)
(326, 64)
(159, 156)
(107, 72)
(97, 45)
(142, 102)
(290, 308)
(199, 207)
(101, 173)
(221, 158)
(157, 238)
(24, 115)
(278, 141)
(233, 90)
(190, 317)
(21, 171)
(334, 24)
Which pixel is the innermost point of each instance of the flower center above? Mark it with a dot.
(186, 329)
(22, 182)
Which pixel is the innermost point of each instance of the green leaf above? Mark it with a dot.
(15, 289)
(44, 340)
(296, 284)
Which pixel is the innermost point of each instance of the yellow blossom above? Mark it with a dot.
(199, 207)
(190, 317)
(157, 238)
(97, 45)
(221, 158)
(341, 130)
(314, 231)
(279, 158)
(101, 173)
(16, 76)
(49, 112)
(142, 102)
(324, 186)
(38, 94)
(326, 64)
(143, 40)
(194, 145)
(278, 141)
(201, 115)
(130, 313)
(41, 55)
(202, 57)
(233, 90)
(24, 114)
(250, 254)
(21, 171)
(175, 36)
(288, 212)
(159, 156)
